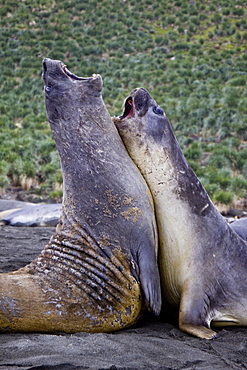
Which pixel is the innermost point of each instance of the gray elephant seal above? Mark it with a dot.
(7, 204)
(240, 227)
(203, 262)
(91, 275)
(36, 215)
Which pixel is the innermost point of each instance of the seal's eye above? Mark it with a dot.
(158, 110)
(48, 88)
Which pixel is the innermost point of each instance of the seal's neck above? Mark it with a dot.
(86, 162)
(186, 185)
(163, 165)
(185, 215)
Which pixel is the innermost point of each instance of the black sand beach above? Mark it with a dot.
(151, 344)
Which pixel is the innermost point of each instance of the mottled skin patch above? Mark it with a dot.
(132, 213)
(100, 267)
(203, 262)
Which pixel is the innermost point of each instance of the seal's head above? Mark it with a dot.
(142, 120)
(63, 88)
(150, 142)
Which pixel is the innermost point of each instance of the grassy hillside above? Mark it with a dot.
(190, 55)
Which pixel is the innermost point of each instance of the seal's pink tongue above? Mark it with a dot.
(131, 109)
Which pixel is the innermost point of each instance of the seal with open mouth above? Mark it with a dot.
(203, 262)
(91, 275)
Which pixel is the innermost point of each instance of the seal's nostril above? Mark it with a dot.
(45, 65)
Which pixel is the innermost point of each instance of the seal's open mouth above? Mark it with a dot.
(68, 73)
(128, 108)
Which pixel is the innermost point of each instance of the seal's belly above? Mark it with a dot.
(176, 246)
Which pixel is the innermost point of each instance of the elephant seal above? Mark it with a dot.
(203, 262)
(91, 275)
(7, 204)
(36, 215)
(240, 227)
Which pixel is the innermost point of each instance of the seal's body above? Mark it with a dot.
(203, 262)
(240, 227)
(103, 255)
(35, 215)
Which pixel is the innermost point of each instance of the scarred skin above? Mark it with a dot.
(100, 266)
(203, 262)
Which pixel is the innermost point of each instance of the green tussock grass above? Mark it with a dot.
(191, 56)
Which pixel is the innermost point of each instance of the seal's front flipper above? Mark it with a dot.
(148, 274)
(192, 318)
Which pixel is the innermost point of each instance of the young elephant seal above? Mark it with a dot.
(203, 262)
(90, 276)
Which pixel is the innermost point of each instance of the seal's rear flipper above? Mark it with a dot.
(191, 320)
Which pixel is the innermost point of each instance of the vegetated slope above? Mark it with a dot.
(190, 55)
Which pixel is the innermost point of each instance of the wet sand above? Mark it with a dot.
(150, 344)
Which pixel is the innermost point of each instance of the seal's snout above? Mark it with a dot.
(44, 65)
(47, 65)
(137, 103)
(46, 61)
